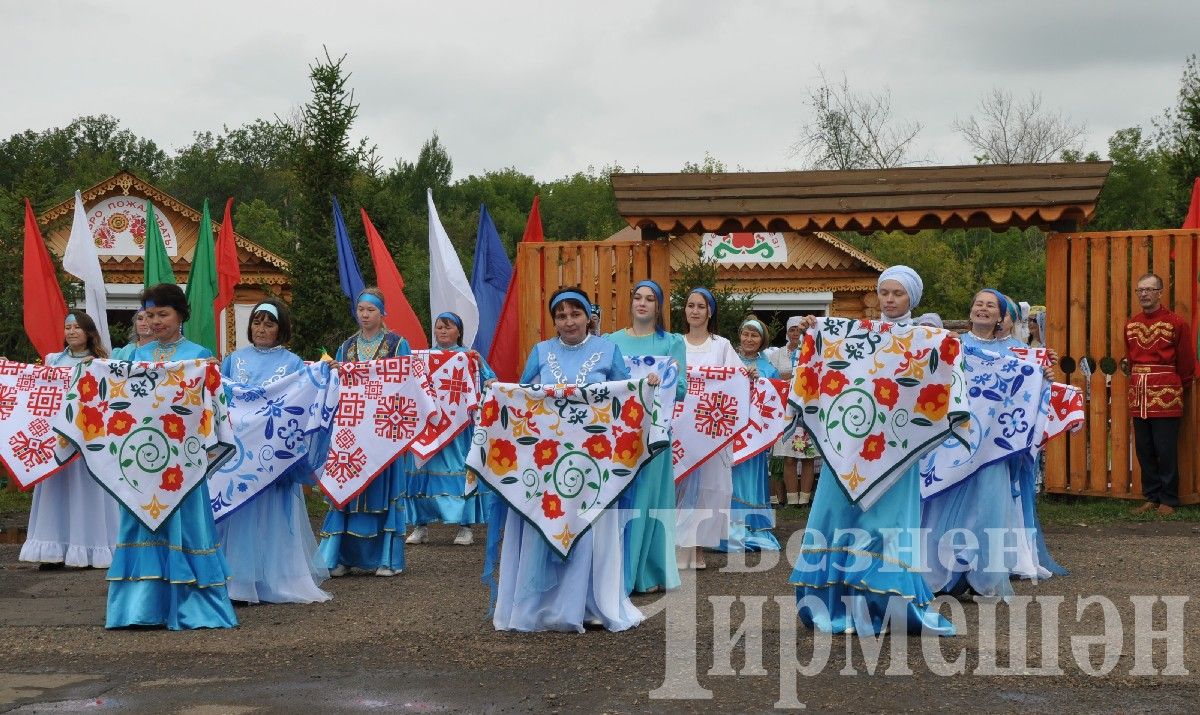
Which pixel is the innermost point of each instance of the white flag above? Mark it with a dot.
(449, 290)
(81, 260)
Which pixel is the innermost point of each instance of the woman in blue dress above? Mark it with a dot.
(268, 542)
(368, 533)
(73, 521)
(139, 335)
(175, 576)
(854, 581)
(649, 537)
(982, 504)
(751, 519)
(538, 590)
(435, 489)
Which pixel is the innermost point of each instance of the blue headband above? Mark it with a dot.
(999, 299)
(373, 300)
(756, 325)
(266, 308)
(149, 303)
(453, 318)
(656, 289)
(71, 319)
(572, 295)
(708, 298)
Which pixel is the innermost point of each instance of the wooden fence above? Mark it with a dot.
(1090, 279)
(605, 270)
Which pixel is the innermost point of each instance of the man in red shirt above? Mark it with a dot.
(1158, 348)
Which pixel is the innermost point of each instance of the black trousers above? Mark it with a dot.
(1156, 440)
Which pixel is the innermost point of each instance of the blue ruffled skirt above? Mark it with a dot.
(649, 536)
(270, 549)
(369, 533)
(968, 532)
(174, 577)
(1036, 559)
(435, 490)
(882, 566)
(751, 518)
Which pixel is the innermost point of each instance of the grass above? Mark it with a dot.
(1062, 509)
(14, 501)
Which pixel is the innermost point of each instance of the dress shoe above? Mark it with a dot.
(1165, 510)
(1148, 506)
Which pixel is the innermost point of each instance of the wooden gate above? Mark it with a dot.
(605, 270)
(1090, 279)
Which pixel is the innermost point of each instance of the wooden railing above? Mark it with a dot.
(605, 270)
(1090, 279)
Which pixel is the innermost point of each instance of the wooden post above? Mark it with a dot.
(1119, 411)
(1056, 337)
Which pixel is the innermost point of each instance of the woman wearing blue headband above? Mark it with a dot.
(649, 543)
(702, 498)
(436, 488)
(751, 519)
(268, 542)
(538, 590)
(72, 520)
(368, 533)
(139, 593)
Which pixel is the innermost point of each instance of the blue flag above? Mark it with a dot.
(348, 273)
(489, 279)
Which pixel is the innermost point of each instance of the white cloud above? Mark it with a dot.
(551, 87)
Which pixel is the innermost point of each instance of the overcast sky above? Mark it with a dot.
(553, 87)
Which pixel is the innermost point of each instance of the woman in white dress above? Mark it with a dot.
(702, 498)
(73, 521)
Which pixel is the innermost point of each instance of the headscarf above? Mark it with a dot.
(707, 295)
(656, 289)
(575, 296)
(932, 320)
(793, 322)
(909, 280)
(452, 318)
(373, 299)
(1000, 299)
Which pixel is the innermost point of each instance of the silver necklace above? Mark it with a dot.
(584, 369)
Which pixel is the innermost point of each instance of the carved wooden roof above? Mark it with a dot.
(905, 199)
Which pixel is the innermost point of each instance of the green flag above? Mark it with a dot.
(201, 326)
(156, 268)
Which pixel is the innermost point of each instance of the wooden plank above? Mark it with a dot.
(793, 191)
(1184, 287)
(604, 281)
(1098, 320)
(660, 273)
(529, 263)
(623, 262)
(1057, 284)
(1077, 348)
(1160, 262)
(1139, 264)
(930, 174)
(741, 206)
(1119, 411)
(585, 262)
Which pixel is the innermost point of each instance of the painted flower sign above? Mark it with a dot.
(875, 397)
(30, 396)
(148, 432)
(383, 406)
(741, 248)
(713, 412)
(1004, 396)
(274, 428)
(668, 375)
(768, 419)
(561, 454)
(454, 376)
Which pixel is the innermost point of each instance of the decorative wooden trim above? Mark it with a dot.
(124, 181)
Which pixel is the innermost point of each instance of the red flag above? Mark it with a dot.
(1192, 220)
(45, 309)
(504, 357)
(229, 273)
(401, 317)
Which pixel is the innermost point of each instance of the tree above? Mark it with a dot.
(1139, 192)
(710, 165)
(1010, 132)
(581, 207)
(325, 165)
(1178, 137)
(853, 131)
(731, 308)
